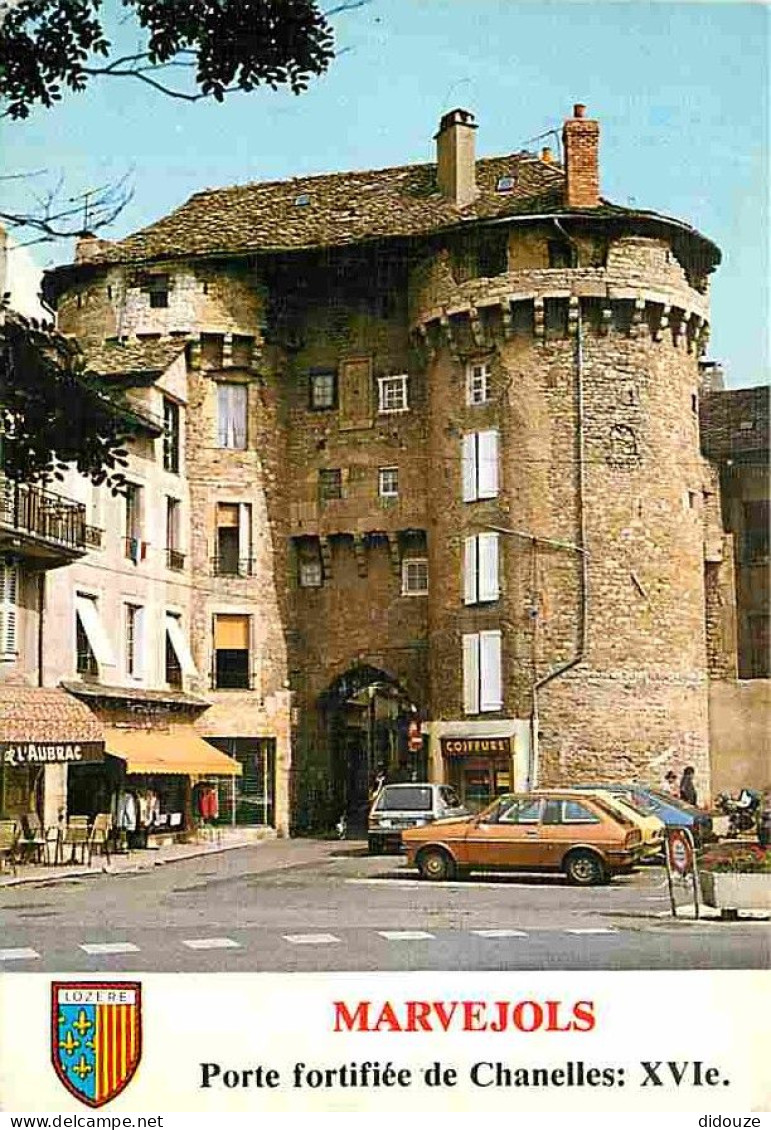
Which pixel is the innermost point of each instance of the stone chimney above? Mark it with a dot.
(89, 247)
(455, 161)
(581, 138)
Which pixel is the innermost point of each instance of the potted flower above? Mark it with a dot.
(736, 877)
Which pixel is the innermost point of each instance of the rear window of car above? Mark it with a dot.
(407, 799)
(568, 812)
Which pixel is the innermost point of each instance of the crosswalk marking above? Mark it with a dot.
(310, 939)
(499, 933)
(594, 930)
(20, 954)
(212, 944)
(109, 947)
(405, 935)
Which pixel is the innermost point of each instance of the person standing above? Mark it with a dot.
(670, 783)
(687, 787)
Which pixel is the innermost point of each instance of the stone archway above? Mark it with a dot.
(367, 713)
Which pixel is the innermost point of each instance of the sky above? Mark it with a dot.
(681, 91)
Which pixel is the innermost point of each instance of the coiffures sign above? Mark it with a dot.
(473, 747)
(50, 753)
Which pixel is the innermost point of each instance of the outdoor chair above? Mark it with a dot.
(75, 836)
(34, 842)
(9, 834)
(100, 835)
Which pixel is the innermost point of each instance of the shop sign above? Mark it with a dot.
(471, 747)
(51, 753)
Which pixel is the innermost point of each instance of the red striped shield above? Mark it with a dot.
(96, 1037)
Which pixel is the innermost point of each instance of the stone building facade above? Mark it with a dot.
(482, 533)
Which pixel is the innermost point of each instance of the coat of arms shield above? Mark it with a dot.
(96, 1037)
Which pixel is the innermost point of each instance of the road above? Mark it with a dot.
(297, 905)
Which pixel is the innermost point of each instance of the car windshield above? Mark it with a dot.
(410, 798)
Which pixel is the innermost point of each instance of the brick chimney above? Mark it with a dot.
(455, 160)
(89, 247)
(581, 138)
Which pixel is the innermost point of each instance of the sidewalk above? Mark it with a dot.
(278, 853)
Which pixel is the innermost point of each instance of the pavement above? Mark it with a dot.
(132, 862)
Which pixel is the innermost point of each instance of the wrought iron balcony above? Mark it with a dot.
(37, 523)
(227, 566)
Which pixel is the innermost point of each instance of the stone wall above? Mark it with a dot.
(740, 724)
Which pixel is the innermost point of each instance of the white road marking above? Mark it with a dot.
(594, 930)
(405, 935)
(109, 947)
(212, 944)
(311, 939)
(500, 933)
(18, 955)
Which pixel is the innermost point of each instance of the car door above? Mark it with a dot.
(508, 836)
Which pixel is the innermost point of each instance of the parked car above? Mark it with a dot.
(652, 828)
(398, 807)
(673, 812)
(552, 830)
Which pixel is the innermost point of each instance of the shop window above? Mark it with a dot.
(133, 640)
(232, 401)
(231, 652)
(392, 394)
(171, 436)
(482, 679)
(330, 484)
(481, 568)
(480, 465)
(134, 547)
(388, 482)
(478, 383)
(255, 789)
(9, 595)
(310, 571)
(323, 390)
(414, 576)
(93, 648)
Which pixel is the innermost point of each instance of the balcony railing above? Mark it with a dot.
(175, 559)
(233, 566)
(41, 513)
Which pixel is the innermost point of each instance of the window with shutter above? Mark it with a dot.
(480, 568)
(471, 674)
(480, 465)
(482, 675)
(9, 593)
(232, 400)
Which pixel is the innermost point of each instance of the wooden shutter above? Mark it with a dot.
(490, 681)
(469, 467)
(355, 393)
(227, 515)
(471, 674)
(470, 587)
(9, 593)
(231, 632)
(488, 566)
(487, 471)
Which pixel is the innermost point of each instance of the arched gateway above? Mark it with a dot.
(371, 724)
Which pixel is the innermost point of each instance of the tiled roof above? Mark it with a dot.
(134, 357)
(341, 208)
(42, 714)
(136, 694)
(734, 423)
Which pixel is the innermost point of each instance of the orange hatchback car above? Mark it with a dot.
(540, 831)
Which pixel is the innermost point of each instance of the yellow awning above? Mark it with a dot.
(181, 751)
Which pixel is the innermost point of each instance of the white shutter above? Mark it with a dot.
(488, 566)
(488, 464)
(245, 535)
(470, 571)
(9, 589)
(471, 674)
(94, 629)
(491, 687)
(180, 646)
(470, 467)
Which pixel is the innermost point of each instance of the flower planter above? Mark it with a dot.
(735, 891)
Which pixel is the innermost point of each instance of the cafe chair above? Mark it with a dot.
(33, 842)
(9, 834)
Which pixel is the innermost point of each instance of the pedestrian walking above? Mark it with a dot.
(687, 787)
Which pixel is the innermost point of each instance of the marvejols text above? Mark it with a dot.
(464, 1016)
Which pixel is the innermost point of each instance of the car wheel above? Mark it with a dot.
(435, 864)
(584, 869)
